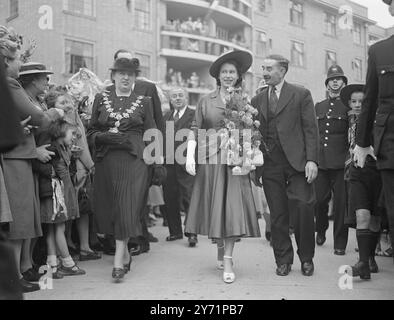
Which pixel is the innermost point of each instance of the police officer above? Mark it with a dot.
(333, 128)
(377, 114)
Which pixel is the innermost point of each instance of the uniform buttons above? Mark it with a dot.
(327, 131)
(330, 110)
(331, 104)
(326, 138)
(327, 124)
(340, 118)
(325, 145)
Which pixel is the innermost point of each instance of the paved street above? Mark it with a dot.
(172, 271)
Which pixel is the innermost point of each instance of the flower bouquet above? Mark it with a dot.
(240, 135)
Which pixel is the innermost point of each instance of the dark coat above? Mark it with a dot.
(148, 89)
(11, 133)
(184, 123)
(296, 124)
(333, 129)
(377, 112)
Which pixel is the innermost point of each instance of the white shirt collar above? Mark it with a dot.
(180, 112)
(278, 87)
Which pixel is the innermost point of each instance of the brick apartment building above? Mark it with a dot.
(177, 40)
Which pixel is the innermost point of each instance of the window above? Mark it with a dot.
(330, 23)
(297, 54)
(78, 55)
(296, 13)
(14, 8)
(144, 64)
(83, 7)
(264, 5)
(262, 44)
(357, 66)
(142, 14)
(331, 59)
(357, 33)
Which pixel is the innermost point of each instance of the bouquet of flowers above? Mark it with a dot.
(240, 135)
(83, 87)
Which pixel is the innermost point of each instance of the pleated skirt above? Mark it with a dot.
(119, 191)
(23, 198)
(222, 205)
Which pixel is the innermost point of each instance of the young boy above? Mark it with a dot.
(364, 189)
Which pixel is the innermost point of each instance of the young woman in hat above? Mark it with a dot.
(119, 121)
(364, 191)
(222, 205)
(17, 165)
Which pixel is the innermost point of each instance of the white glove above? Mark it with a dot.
(190, 162)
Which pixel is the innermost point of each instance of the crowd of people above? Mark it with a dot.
(71, 188)
(176, 78)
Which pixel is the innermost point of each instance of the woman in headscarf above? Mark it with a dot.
(222, 205)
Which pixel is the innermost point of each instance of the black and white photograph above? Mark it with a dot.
(198, 155)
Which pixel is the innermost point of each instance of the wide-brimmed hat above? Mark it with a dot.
(347, 92)
(33, 68)
(388, 2)
(336, 72)
(124, 64)
(243, 58)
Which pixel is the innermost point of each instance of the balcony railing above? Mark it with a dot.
(242, 7)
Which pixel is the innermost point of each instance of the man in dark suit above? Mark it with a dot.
(179, 184)
(377, 114)
(334, 147)
(291, 147)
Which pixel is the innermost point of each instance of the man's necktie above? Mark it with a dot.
(273, 102)
(176, 116)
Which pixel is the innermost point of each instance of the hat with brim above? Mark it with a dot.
(388, 2)
(346, 92)
(128, 65)
(243, 58)
(336, 71)
(33, 68)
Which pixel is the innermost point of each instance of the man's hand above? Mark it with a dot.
(311, 171)
(360, 155)
(26, 127)
(43, 154)
(256, 177)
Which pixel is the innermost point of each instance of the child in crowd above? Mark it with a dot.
(364, 188)
(58, 199)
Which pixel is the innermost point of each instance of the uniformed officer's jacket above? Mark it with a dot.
(377, 112)
(332, 116)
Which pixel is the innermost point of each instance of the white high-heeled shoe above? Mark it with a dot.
(228, 277)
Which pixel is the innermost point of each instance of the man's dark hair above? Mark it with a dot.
(282, 61)
(119, 52)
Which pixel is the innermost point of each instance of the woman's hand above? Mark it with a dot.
(27, 128)
(190, 162)
(44, 155)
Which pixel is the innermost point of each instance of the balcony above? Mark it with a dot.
(219, 10)
(196, 47)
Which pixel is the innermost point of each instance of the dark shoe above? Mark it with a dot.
(283, 270)
(307, 268)
(89, 255)
(31, 275)
(28, 286)
(152, 238)
(118, 274)
(144, 246)
(135, 249)
(339, 252)
(174, 238)
(361, 270)
(193, 241)
(98, 247)
(373, 266)
(320, 239)
(55, 274)
(268, 236)
(71, 271)
(127, 267)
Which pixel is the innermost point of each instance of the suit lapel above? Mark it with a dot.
(185, 118)
(264, 104)
(285, 97)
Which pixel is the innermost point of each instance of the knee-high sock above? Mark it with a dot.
(364, 239)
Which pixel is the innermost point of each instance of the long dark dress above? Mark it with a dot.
(222, 205)
(121, 177)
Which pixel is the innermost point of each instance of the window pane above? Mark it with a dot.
(78, 55)
(142, 15)
(84, 7)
